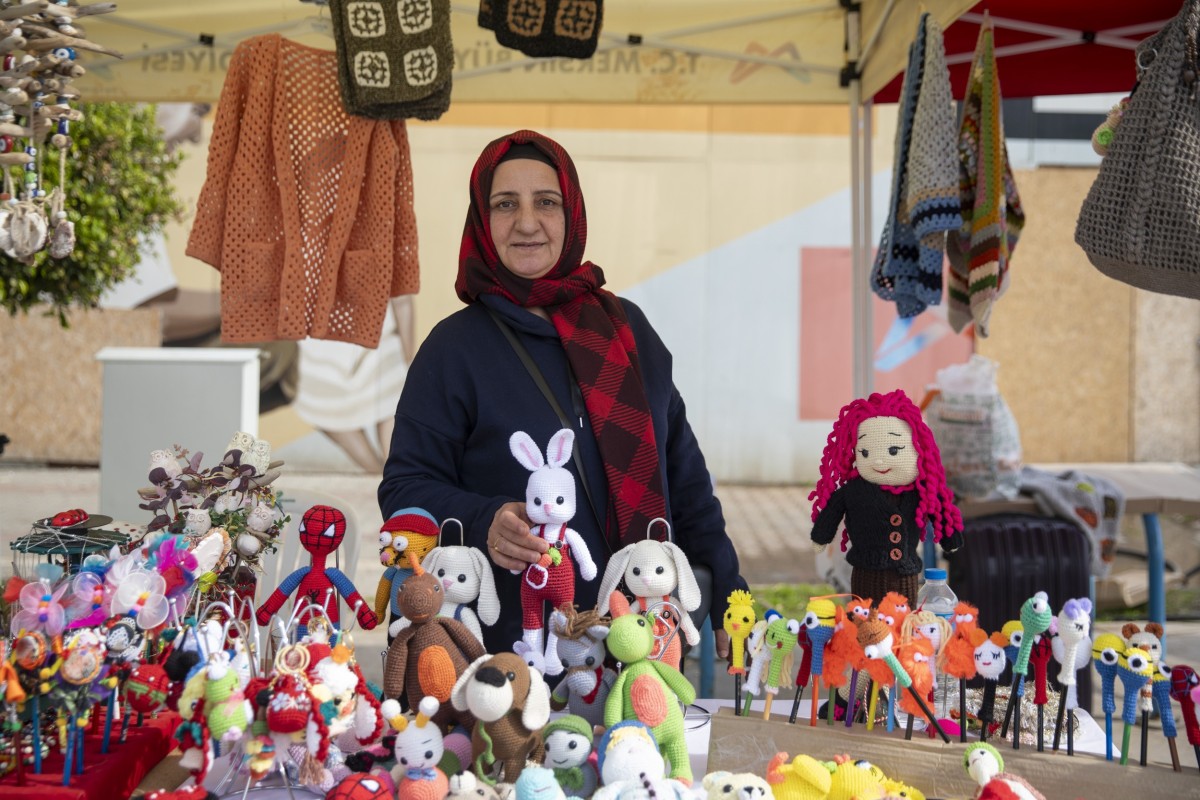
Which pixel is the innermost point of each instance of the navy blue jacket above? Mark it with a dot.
(467, 392)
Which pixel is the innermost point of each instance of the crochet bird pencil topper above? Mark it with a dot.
(882, 473)
(739, 619)
(549, 505)
(648, 691)
(1035, 620)
(321, 531)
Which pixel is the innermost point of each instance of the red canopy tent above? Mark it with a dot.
(1048, 48)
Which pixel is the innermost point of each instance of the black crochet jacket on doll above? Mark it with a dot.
(882, 524)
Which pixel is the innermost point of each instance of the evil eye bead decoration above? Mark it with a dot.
(66, 53)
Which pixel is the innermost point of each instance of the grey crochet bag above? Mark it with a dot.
(1140, 222)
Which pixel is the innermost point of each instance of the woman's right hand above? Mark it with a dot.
(510, 544)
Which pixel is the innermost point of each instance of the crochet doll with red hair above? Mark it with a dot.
(882, 472)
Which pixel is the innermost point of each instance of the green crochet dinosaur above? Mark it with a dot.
(647, 690)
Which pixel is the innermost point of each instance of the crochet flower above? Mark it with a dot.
(142, 595)
(41, 609)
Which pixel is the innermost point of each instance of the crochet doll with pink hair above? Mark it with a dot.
(882, 472)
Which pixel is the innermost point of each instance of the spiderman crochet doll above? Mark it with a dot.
(321, 531)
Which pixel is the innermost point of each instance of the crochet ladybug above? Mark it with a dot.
(321, 531)
(359, 786)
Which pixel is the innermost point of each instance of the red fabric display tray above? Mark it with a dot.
(107, 776)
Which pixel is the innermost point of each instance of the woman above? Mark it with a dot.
(521, 267)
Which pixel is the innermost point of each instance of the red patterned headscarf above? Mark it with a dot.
(594, 331)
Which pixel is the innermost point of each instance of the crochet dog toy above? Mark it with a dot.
(577, 641)
(321, 532)
(648, 691)
(408, 530)
(428, 657)
(511, 704)
(656, 571)
(568, 742)
(882, 472)
(466, 577)
(549, 505)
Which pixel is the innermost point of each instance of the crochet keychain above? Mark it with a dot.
(549, 505)
(1183, 680)
(882, 472)
(1035, 620)
(1074, 624)
(738, 620)
(958, 658)
(321, 532)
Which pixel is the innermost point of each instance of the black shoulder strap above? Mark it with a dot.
(535, 373)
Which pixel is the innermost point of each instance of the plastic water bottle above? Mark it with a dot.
(937, 596)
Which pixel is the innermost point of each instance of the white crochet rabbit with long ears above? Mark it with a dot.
(550, 505)
(466, 578)
(655, 572)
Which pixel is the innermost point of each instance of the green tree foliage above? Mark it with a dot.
(118, 192)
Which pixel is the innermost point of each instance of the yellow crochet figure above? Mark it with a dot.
(803, 779)
(739, 619)
(410, 530)
(854, 780)
(898, 790)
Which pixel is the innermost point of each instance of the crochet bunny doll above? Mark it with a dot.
(466, 578)
(656, 571)
(882, 472)
(550, 505)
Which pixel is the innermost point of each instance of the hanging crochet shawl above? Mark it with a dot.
(594, 330)
(992, 217)
(899, 250)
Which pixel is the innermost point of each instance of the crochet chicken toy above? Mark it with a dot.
(322, 529)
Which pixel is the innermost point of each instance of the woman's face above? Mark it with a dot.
(526, 217)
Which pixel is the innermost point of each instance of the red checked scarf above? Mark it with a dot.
(594, 331)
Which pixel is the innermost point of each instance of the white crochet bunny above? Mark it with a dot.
(655, 572)
(466, 577)
(550, 505)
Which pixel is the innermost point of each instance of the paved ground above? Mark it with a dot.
(769, 527)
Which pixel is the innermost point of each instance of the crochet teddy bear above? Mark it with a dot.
(549, 505)
(645, 690)
(656, 572)
(511, 704)
(881, 472)
(428, 657)
(724, 785)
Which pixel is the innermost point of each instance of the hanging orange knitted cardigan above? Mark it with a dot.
(306, 211)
